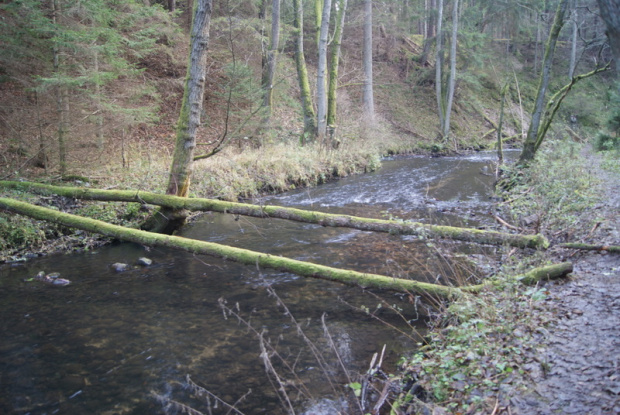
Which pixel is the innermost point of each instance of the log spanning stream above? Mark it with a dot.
(111, 342)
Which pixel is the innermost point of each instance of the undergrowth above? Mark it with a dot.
(556, 195)
(474, 351)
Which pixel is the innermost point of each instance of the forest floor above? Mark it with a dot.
(576, 368)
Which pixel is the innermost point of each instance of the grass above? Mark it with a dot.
(557, 193)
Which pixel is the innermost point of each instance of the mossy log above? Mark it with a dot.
(243, 256)
(299, 215)
(590, 247)
(549, 272)
(248, 257)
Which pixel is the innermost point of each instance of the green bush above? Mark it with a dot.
(606, 142)
(18, 232)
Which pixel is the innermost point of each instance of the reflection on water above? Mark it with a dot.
(110, 341)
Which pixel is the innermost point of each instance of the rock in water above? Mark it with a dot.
(119, 267)
(145, 261)
(52, 278)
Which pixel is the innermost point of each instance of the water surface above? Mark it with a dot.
(109, 342)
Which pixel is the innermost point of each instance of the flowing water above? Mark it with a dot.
(111, 342)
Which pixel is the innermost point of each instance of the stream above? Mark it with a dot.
(123, 342)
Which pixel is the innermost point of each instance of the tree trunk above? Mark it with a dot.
(321, 81)
(62, 97)
(573, 49)
(368, 97)
(452, 81)
(529, 146)
(167, 220)
(610, 13)
(439, 66)
(257, 259)
(302, 74)
(99, 107)
(269, 66)
(299, 215)
(500, 124)
(341, 8)
(556, 100)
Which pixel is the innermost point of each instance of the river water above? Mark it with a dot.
(123, 342)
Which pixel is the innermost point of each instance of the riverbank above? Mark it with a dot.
(232, 175)
(545, 349)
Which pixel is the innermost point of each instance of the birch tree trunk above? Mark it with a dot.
(302, 74)
(368, 98)
(321, 80)
(529, 147)
(168, 220)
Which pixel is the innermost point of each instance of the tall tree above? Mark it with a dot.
(444, 90)
(62, 95)
(269, 62)
(530, 144)
(452, 79)
(341, 7)
(302, 74)
(439, 54)
(368, 97)
(610, 12)
(321, 80)
(167, 220)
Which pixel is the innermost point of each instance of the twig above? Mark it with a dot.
(506, 224)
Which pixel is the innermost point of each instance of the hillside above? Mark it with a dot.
(128, 121)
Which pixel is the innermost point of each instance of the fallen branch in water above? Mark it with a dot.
(245, 256)
(299, 215)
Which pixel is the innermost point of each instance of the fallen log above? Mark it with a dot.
(590, 247)
(248, 257)
(299, 215)
(549, 272)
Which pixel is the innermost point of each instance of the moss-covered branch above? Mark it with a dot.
(324, 219)
(549, 272)
(590, 247)
(245, 256)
